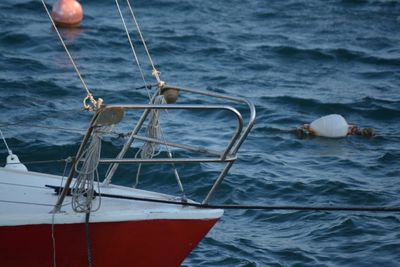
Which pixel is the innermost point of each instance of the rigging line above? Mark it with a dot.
(117, 134)
(132, 46)
(177, 177)
(5, 142)
(250, 207)
(66, 160)
(29, 203)
(53, 217)
(90, 95)
(87, 239)
(155, 72)
(148, 86)
(22, 124)
(22, 185)
(53, 239)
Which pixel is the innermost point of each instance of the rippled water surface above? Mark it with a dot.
(296, 60)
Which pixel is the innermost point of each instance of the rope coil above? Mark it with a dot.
(153, 130)
(83, 189)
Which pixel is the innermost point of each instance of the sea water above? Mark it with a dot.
(296, 60)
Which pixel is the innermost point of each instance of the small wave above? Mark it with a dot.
(344, 192)
(389, 157)
(378, 109)
(310, 105)
(372, 108)
(46, 88)
(12, 39)
(295, 52)
(345, 227)
(340, 54)
(372, 75)
(25, 63)
(211, 51)
(168, 48)
(264, 129)
(189, 38)
(369, 2)
(28, 5)
(261, 15)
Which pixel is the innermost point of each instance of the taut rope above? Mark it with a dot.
(5, 142)
(132, 46)
(149, 149)
(83, 189)
(89, 96)
(155, 72)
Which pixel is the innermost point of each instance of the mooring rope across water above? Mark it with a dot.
(250, 207)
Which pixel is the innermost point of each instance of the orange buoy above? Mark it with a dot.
(67, 13)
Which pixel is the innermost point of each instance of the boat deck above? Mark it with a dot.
(25, 199)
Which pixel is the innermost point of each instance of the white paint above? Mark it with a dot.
(14, 163)
(29, 187)
(333, 126)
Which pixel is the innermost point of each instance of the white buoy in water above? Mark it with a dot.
(333, 126)
(14, 163)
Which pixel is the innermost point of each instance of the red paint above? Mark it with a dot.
(67, 13)
(137, 243)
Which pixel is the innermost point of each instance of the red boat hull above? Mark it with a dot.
(163, 242)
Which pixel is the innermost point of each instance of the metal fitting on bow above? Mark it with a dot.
(95, 104)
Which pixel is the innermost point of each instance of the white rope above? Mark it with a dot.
(83, 188)
(151, 149)
(176, 174)
(89, 94)
(153, 130)
(132, 47)
(155, 72)
(5, 142)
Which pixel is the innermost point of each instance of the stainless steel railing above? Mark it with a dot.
(226, 156)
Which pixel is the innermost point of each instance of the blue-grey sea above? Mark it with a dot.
(296, 60)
